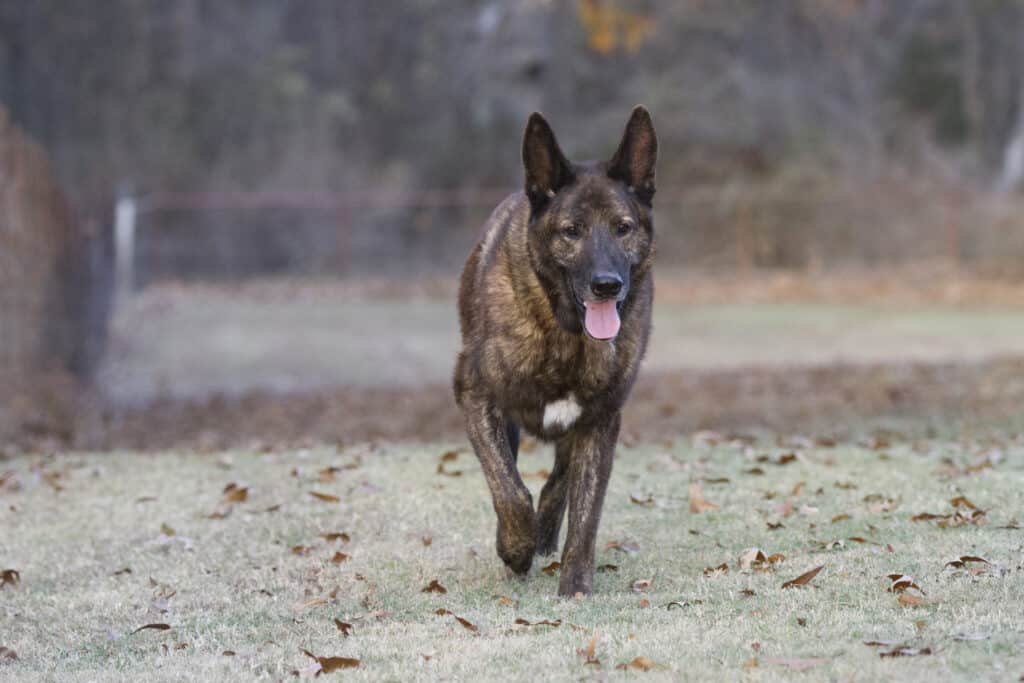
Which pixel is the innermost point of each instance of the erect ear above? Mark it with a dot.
(547, 169)
(637, 155)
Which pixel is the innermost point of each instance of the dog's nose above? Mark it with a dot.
(606, 285)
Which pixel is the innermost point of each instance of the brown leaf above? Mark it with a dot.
(7, 653)
(434, 587)
(839, 518)
(427, 540)
(10, 577)
(123, 570)
(447, 473)
(344, 627)
(754, 471)
(627, 546)
(804, 578)
(747, 593)
(642, 585)
(607, 568)
(339, 536)
(449, 456)
(228, 653)
(908, 600)
(723, 568)
(301, 550)
(152, 627)
(773, 526)
(166, 530)
(697, 502)
(962, 561)
(786, 459)
(639, 663)
(961, 501)
(906, 652)
(711, 481)
(644, 603)
(329, 664)
(645, 500)
(523, 622)
(233, 493)
(589, 653)
(902, 582)
(505, 600)
(339, 557)
(552, 568)
(326, 497)
(466, 624)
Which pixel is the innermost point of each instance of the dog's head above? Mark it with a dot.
(591, 225)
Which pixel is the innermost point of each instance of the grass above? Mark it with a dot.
(73, 523)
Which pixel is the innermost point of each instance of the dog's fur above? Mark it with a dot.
(527, 358)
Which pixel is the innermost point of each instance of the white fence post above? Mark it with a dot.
(124, 248)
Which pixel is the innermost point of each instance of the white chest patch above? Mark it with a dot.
(562, 412)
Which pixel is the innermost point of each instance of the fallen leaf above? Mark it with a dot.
(906, 652)
(962, 501)
(804, 578)
(339, 557)
(523, 622)
(723, 568)
(434, 587)
(627, 546)
(645, 500)
(773, 526)
(326, 497)
(233, 493)
(344, 627)
(505, 600)
(697, 502)
(607, 568)
(908, 600)
(329, 664)
(747, 593)
(152, 627)
(466, 624)
(427, 540)
(10, 577)
(552, 568)
(639, 663)
(901, 583)
(449, 456)
(447, 473)
(751, 663)
(644, 603)
(589, 653)
(676, 603)
(228, 653)
(123, 570)
(7, 653)
(301, 550)
(962, 561)
(712, 481)
(166, 530)
(786, 459)
(333, 536)
(641, 585)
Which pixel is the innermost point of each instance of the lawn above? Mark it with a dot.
(248, 576)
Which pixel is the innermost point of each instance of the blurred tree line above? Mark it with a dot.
(339, 96)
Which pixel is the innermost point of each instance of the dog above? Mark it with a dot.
(555, 314)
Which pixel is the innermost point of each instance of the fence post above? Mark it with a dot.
(124, 247)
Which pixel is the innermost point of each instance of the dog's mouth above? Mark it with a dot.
(601, 319)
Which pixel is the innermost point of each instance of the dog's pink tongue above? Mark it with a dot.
(602, 319)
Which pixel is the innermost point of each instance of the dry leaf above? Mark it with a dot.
(333, 536)
(166, 530)
(962, 561)
(552, 568)
(434, 587)
(627, 546)
(10, 577)
(228, 653)
(908, 600)
(589, 653)
(804, 578)
(466, 624)
(339, 557)
(523, 622)
(697, 502)
(301, 550)
(123, 570)
(646, 500)
(607, 568)
(452, 473)
(7, 653)
(961, 501)
(329, 664)
(344, 627)
(639, 663)
(722, 568)
(449, 456)
(786, 459)
(326, 497)
(152, 627)
(233, 493)
(427, 540)
(644, 603)
(504, 600)
(641, 585)
(906, 652)
(902, 582)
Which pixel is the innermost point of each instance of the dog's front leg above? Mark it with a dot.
(589, 469)
(513, 504)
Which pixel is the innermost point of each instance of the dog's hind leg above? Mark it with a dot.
(590, 467)
(551, 506)
(512, 430)
(513, 504)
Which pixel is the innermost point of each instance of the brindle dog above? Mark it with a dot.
(555, 310)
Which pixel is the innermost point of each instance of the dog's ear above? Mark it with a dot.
(547, 169)
(637, 155)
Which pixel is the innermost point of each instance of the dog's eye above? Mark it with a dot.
(574, 229)
(624, 228)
